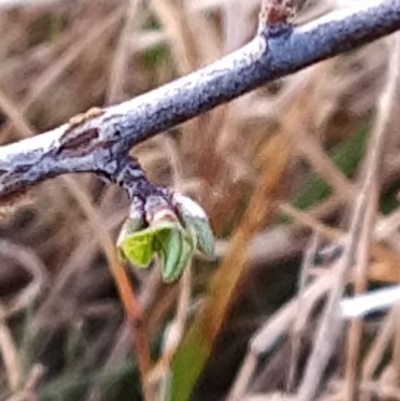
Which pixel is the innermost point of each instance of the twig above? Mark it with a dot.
(380, 345)
(375, 154)
(28, 392)
(396, 348)
(370, 302)
(298, 326)
(331, 322)
(161, 371)
(379, 251)
(134, 314)
(277, 326)
(96, 144)
(146, 297)
(120, 61)
(9, 353)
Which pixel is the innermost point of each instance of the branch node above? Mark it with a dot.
(129, 176)
(276, 15)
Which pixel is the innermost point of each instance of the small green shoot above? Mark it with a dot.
(172, 234)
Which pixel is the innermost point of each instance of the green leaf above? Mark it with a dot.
(203, 234)
(174, 249)
(169, 240)
(138, 248)
(168, 248)
(195, 220)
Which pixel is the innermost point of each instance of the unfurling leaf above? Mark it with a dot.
(170, 232)
(196, 221)
(203, 234)
(139, 246)
(138, 249)
(174, 248)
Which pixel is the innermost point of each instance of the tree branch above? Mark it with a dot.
(99, 140)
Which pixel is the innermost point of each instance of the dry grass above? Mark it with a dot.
(62, 330)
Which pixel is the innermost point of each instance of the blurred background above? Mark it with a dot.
(280, 172)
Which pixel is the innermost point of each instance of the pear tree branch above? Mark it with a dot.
(99, 140)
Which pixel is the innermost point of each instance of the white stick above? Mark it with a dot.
(370, 302)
